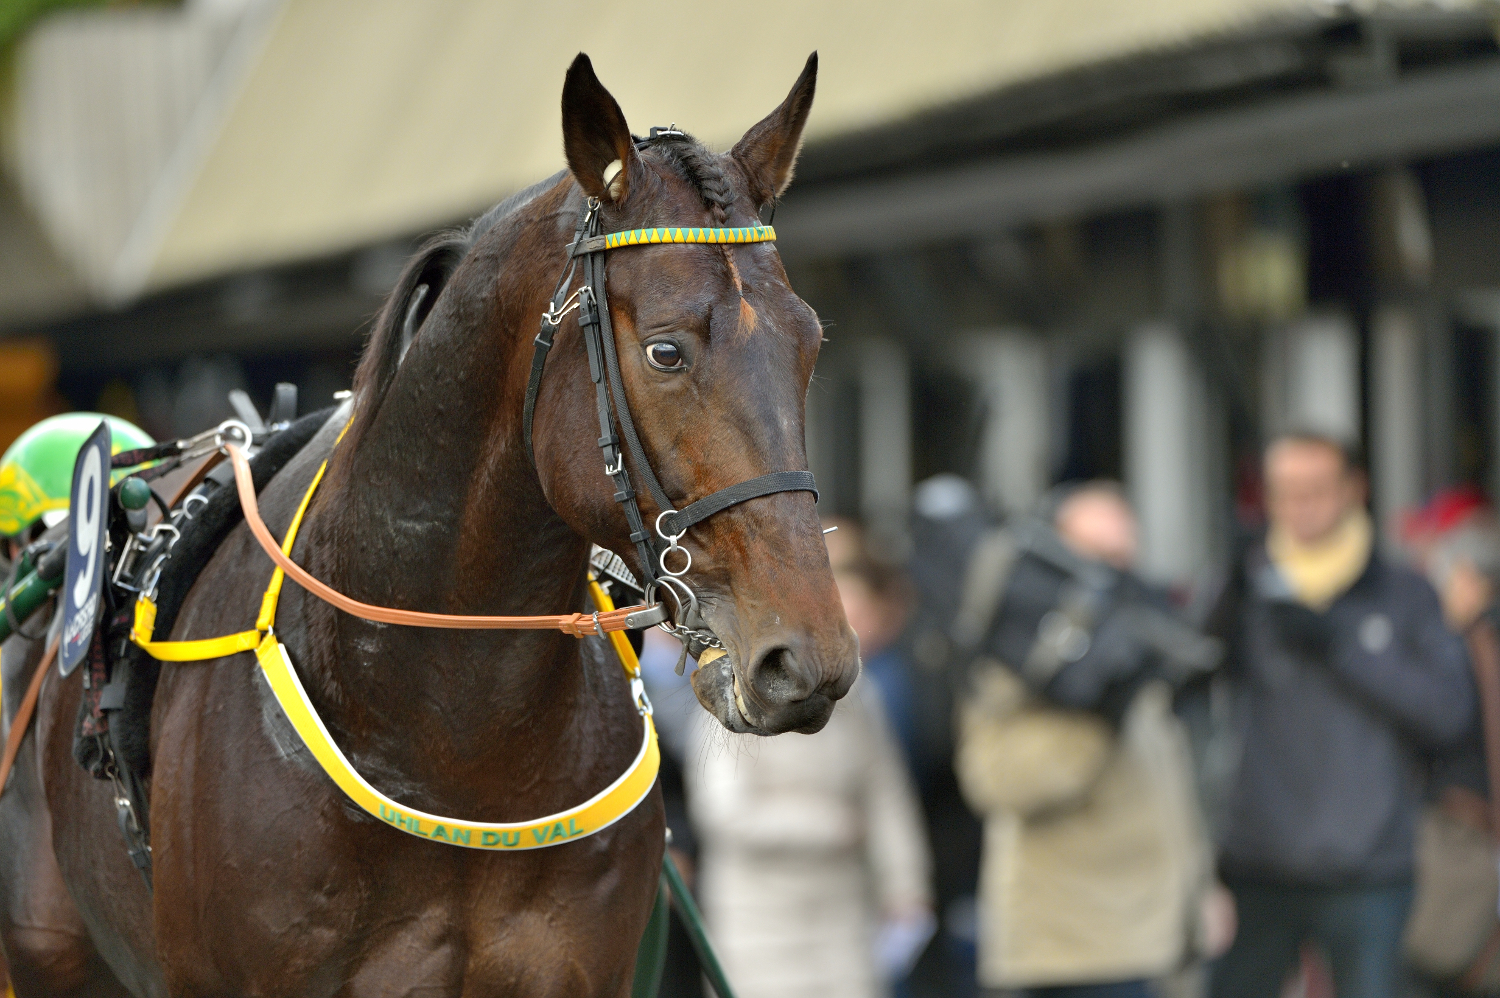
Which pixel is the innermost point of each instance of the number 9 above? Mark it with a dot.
(91, 493)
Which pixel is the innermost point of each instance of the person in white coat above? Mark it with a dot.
(814, 868)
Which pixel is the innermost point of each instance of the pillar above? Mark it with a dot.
(1173, 435)
(1311, 378)
(1396, 422)
(1010, 369)
(885, 444)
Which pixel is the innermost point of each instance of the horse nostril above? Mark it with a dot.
(775, 678)
(782, 687)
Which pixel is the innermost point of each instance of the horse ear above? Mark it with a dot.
(601, 153)
(768, 152)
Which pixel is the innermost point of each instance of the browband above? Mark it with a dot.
(647, 237)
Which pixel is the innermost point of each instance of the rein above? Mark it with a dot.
(577, 624)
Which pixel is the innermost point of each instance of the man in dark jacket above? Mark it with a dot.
(1347, 677)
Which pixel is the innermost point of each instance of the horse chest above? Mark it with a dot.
(418, 921)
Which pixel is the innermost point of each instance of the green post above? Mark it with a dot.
(651, 956)
(692, 920)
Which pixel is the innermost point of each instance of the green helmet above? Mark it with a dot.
(36, 473)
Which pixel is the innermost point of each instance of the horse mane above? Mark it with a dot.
(693, 160)
(433, 265)
(701, 168)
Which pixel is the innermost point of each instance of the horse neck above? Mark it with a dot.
(438, 509)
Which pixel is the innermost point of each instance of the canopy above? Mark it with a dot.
(356, 124)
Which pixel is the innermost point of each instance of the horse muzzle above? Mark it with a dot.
(782, 688)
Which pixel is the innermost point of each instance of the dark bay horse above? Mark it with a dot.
(268, 881)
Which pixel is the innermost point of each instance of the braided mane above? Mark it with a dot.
(701, 168)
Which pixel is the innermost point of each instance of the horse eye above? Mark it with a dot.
(665, 355)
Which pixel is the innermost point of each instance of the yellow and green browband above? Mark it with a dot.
(648, 237)
(638, 237)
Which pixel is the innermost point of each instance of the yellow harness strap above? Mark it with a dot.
(598, 812)
(185, 651)
(144, 631)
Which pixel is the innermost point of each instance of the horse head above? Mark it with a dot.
(715, 352)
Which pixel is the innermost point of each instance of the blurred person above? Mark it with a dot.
(673, 708)
(1453, 935)
(813, 861)
(1346, 676)
(1455, 540)
(844, 537)
(1096, 864)
(1438, 523)
(948, 521)
(877, 601)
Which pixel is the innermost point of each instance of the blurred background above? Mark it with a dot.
(1051, 241)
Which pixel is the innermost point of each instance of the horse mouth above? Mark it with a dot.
(723, 694)
(717, 686)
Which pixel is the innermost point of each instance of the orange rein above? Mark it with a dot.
(22, 720)
(577, 624)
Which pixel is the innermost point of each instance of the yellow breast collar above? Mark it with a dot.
(598, 812)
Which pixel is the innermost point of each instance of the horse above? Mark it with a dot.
(267, 879)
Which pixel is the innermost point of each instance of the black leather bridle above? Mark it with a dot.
(590, 300)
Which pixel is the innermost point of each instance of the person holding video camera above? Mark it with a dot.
(1347, 680)
(1096, 865)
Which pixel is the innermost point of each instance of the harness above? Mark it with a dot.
(600, 811)
(625, 793)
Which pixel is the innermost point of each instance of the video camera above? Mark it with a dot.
(1082, 633)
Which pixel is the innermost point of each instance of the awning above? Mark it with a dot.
(362, 123)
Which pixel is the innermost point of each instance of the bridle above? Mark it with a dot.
(656, 554)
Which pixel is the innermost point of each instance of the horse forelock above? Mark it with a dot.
(701, 168)
(691, 160)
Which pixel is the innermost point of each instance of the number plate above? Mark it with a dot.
(88, 521)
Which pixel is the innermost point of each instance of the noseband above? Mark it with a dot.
(657, 554)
